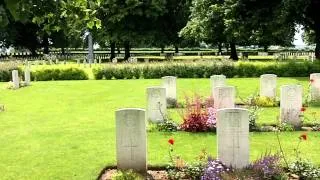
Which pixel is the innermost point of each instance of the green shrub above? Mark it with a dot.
(127, 175)
(59, 74)
(6, 70)
(206, 69)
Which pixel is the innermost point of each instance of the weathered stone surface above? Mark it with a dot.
(156, 104)
(233, 136)
(131, 139)
(291, 104)
(170, 83)
(15, 79)
(217, 81)
(268, 85)
(27, 77)
(315, 87)
(224, 97)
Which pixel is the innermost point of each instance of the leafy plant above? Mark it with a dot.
(214, 169)
(304, 169)
(199, 115)
(167, 125)
(172, 103)
(127, 175)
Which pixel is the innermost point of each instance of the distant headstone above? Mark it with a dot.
(27, 77)
(233, 137)
(131, 139)
(15, 79)
(57, 61)
(216, 81)
(291, 104)
(146, 60)
(315, 87)
(224, 97)
(268, 85)
(170, 83)
(156, 104)
(114, 60)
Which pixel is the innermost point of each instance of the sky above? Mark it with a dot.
(298, 38)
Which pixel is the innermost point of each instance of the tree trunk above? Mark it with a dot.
(265, 48)
(176, 49)
(118, 49)
(317, 31)
(45, 44)
(126, 50)
(227, 47)
(113, 49)
(162, 49)
(219, 48)
(63, 52)
(234, 55)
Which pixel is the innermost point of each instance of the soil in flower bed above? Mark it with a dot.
(152, 174)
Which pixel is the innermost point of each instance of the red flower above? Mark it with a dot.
(171, 141)
(311, 80)
(303, 109)
(303, 136)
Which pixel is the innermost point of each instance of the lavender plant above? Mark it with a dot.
(214, 169)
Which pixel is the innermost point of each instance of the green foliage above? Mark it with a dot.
(167, 126)
(59, 74)
(304, 169)
(253, 117)
(6, 69)
(206, 69)
(285, 127)
(194, 170)
(127, 175)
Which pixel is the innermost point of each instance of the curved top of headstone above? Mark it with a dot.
(232, 109)
(218, 75)
(130, 109)
(155, 87)
(169, 77)
(268, 75)
(314, 74)
(291, 85)
(226, 87)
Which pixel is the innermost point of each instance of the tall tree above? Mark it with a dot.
(306, 13)
(130, 21)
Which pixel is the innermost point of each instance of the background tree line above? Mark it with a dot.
(36, 24)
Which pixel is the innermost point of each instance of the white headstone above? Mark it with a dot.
(216, 81)
(291, 104)
(156, 104)
(131, 139)
(169, 82)
(114, 60)
(233, 137)
(224, 97)
(268, 85)
(15, 79)
(27, 76)
(315, 87)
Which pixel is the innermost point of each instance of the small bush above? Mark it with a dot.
(6, 70)
(127, 175)
(305, 170)
(59, 74)
(206, 69)
(199, 115)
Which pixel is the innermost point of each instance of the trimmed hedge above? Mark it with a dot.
(59, 74)
(6, 70)
(205, 70)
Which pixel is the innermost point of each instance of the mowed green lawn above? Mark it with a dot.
(66, 129)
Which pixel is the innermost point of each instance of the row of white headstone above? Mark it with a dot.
(131, 138)
(290, 95)
(16, 79)
(131, 135)
(224, 96)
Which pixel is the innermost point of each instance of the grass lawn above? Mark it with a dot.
(66, 129)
